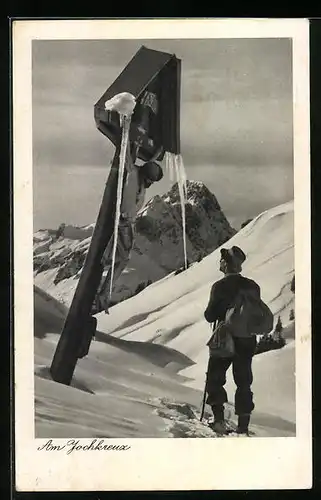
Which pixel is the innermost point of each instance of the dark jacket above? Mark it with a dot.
(223, 294)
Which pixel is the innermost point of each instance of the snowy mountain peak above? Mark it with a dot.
(196, 192)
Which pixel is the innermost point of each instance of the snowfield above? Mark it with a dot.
(145, 371)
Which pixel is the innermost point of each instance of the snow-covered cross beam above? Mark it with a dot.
(151, 81)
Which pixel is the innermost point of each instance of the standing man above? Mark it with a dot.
(222, 297)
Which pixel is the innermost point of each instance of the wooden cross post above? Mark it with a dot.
(80, 326)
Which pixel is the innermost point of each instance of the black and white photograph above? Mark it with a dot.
(166, 266)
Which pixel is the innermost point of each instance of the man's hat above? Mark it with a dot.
(234, 254)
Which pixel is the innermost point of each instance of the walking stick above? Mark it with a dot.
(204, 395)
(206, 380)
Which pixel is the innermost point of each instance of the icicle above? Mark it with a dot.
(169, 166)
(181, 182)
(174, 165)
(182, 172)
(125, 122)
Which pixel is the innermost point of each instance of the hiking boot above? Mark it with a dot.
(220, 427)
(242, 434)
(243, 424)
(218, 412)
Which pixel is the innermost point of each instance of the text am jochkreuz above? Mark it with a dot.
(75, 445)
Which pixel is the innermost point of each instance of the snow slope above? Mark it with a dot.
(116, 391)
(144, 374)
(170, 311)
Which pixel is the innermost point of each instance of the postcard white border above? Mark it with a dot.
(159, 464)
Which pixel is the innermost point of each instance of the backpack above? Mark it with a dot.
(221, 343)
(249, 315)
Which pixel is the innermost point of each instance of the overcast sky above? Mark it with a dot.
(236, 123)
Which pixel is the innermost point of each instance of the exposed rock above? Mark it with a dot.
(159, 226)
(158, 247)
